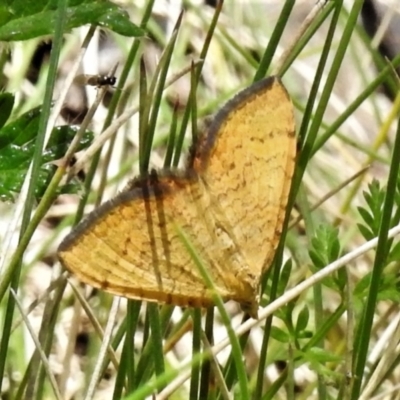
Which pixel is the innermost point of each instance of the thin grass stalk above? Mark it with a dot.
(181, 327)
(236, 348)
(317, 289)
(379, 140)
(126, 367)
(347, 367)
(115, 101)
(151, 386)
(171, 137)
(132, 319)
(46, 334)
(151, 99)
(193, 103)
(363, 335)
(118, 391)
(307, 36)
(274, 40)
(372, 87)
(196, 348)
(144, 110)
(143, 367)
(278, 257)
(237, 46)
(156, 339)
(161, 83)
(44, 358)
(290, 381)
(218, 381)
(36, 162)
(306, 120)
(272, 391)
(15, 270)
(70, 348)
(96, 375)
(165, 317)
(362, 72)
(230, 368)
(206, 366)
(203, 54)
(332, 75)
(38, 301)
(98, 329)
(379, 60)
(20, 393)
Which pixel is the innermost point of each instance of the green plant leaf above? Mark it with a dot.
(319, 355)
(20, 130)
(325, 246)
(394, 254)
(6, 106)
(16, 155)
(302, 319)
(306, 334)
(279, 335)
(35, 19)
(284, 277)
(372, 214)
(389, 288)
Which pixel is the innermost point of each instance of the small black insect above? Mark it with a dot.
(95, 80)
